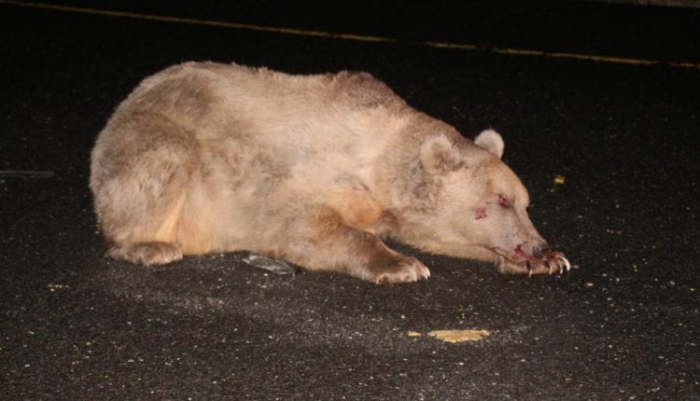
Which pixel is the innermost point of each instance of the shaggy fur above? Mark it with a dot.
(206, 157)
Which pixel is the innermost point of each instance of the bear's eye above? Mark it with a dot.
(503, 201)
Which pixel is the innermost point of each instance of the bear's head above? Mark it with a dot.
(474, 206)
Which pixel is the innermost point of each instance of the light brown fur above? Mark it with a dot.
(206, 157)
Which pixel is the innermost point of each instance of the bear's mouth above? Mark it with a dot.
(519, 262)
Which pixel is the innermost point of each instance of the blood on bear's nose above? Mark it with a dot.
(539, 250)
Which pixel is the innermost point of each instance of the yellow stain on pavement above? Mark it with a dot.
(458, 336)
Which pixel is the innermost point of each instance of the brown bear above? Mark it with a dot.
(313, 169)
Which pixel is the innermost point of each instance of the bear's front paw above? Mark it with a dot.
(551, 262)
(401, 270)
(555, 262)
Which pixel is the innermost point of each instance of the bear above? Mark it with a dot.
(316, 170)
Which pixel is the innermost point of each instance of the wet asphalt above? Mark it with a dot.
(599, 106)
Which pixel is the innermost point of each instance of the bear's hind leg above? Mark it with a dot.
(151, 239)
(141, 186)
(146, 253)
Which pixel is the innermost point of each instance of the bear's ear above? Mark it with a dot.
(438, 154)
(491, 141)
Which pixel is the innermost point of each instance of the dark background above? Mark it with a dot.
(622, 130)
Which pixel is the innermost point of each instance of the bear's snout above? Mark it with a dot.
(540, 250)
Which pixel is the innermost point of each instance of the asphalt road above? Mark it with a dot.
(605, 96)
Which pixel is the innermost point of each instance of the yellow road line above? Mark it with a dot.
(574, 56)
(605, 59)
(455, 46)
(348, 36)
(519, 52)
(192, 21)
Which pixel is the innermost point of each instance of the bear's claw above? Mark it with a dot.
(552, 262)
(409, 270)
(556, 261)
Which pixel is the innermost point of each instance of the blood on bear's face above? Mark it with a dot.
(481, 212)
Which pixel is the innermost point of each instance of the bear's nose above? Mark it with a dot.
(539, 250)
